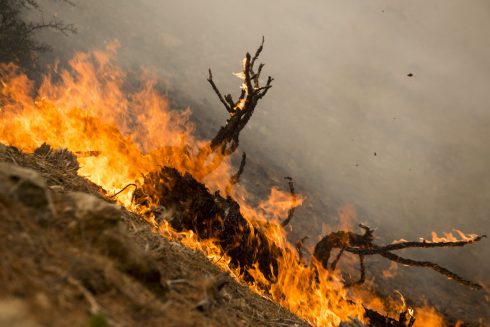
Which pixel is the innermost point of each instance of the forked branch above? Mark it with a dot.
(240, 111)
(362, 245)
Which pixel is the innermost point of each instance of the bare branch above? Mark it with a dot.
(362, 269)
(256, 76)
(405, 245)
(236, 178)
(229, 100)
(362, 245)
(299, 247)
(227, 138)
(294, 200)
(218, 93)
(266, 88)
(337, 259)
(123, 189)
(247, 70)
(433, 266)
(257, 53)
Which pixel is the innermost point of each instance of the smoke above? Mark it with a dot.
(344, 117)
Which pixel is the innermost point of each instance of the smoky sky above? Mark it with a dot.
(382, 104)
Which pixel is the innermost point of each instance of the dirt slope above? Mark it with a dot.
(72, 258)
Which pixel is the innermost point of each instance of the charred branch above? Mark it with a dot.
(227, 139)
(294, 200)
(218, 93)
(433, 266)
(362, 245)
(236, 178)
(405, 319)
(362, 269)
(123, 189)
(299, 247)
(423, 244)
(337, 259)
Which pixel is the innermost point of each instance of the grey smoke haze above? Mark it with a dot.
(341, 94)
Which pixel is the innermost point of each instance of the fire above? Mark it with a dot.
(450, 237)
(429, 316)
(278, 204)
(119, 136)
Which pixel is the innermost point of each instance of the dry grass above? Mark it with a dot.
(82, 261)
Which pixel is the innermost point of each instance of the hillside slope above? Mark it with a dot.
(71, 257)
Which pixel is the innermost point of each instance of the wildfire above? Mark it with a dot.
(119, 136)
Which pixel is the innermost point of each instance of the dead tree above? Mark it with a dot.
(362, 245)
(226, 140)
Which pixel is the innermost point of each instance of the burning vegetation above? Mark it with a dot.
(146, 157)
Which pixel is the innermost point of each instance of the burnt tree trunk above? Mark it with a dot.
(210, 216)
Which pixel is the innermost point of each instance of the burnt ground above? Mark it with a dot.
(72, 258)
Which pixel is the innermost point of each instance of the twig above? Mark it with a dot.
(362, 269)
(218, 93)
(122, 190)
(337, 259)
(59, 26)
(299, 247)
(433, 266)
(294, 200)
(236, 178)
(423, 244)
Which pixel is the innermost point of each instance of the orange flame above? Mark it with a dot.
(118, 137)
(279, 203)
(450, 237)
(427, 316)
